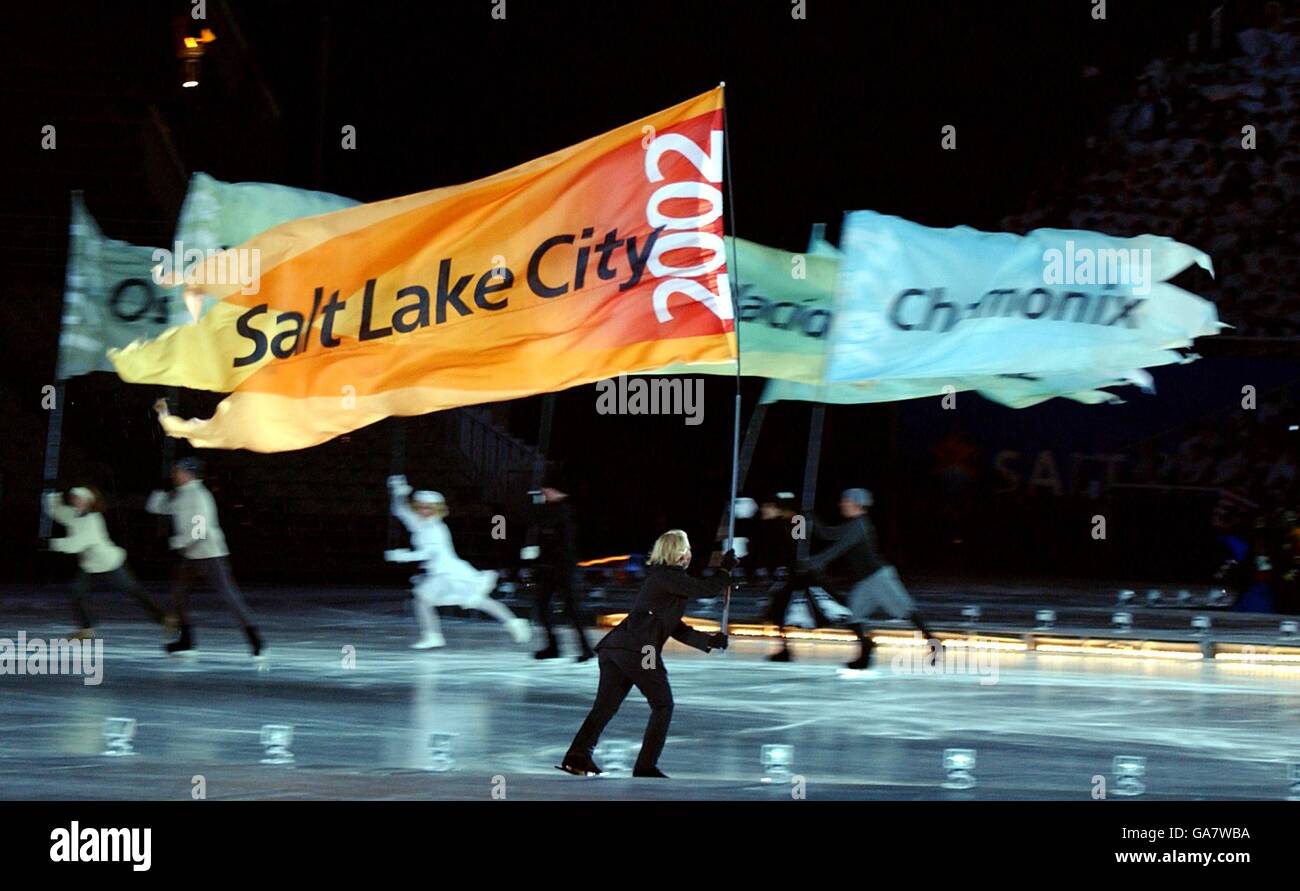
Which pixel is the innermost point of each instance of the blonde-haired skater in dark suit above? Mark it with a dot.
(631, 655)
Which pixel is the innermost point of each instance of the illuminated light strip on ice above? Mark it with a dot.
(1231, 655)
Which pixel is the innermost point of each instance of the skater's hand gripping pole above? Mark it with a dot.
(727, 564)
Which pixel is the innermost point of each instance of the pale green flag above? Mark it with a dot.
(110, 298)
(785, 313)
(218, 215)
(1014, 391)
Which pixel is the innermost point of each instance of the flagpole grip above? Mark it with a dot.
(53, 446)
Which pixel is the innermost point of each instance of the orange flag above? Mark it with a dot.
(599, 259)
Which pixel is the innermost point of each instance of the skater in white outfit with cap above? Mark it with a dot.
(447, 580)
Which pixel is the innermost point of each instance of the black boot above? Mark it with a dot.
(649, 773)
(550, 652)
(587, 651)
(184, 643)
(254, 640)
(863, 662)
(920, 626)
(580, 765)
(781, 655)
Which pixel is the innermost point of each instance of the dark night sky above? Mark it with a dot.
(841, 110)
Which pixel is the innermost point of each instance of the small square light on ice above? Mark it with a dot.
(441, 759)
(959, 764)
(1127, 770)
(118, 733)
(615, 757)
(777, 760)
(275, 741)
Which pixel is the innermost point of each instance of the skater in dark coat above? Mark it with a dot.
(778, 513)
(631, 654)
(558, 569)
(875, 583)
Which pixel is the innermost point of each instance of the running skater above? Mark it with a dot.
(557, 568)
(777, 514)
(447, 580)
(876, 585)
(201, 545)
(99, 560)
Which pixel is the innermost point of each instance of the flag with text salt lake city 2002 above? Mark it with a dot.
(599, 259)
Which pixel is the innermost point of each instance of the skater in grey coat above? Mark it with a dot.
(875, 586)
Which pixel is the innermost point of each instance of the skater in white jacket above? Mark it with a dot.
(447, 579)
(201, 545)
(99, 560)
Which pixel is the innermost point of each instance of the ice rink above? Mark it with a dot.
(364, 709)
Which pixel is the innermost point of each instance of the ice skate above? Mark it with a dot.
(429, 642)
(649, 773)
(863, 662)
(254, 641)
(521, 630)
(579, 766)
(183, 644)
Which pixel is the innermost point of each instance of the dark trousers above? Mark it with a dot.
(216, 570)
(620, 671)
(123, 580)
(549, 585)
(780, 595)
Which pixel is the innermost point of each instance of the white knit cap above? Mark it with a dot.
(81, 492)
(426, 496)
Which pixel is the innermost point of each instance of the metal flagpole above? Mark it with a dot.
(752, 430)
(534, 533)
(816, 423)
(396, 466)
(543, 439)
(809, 497)
(539, 463)
(733, 267)
(53, 444)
